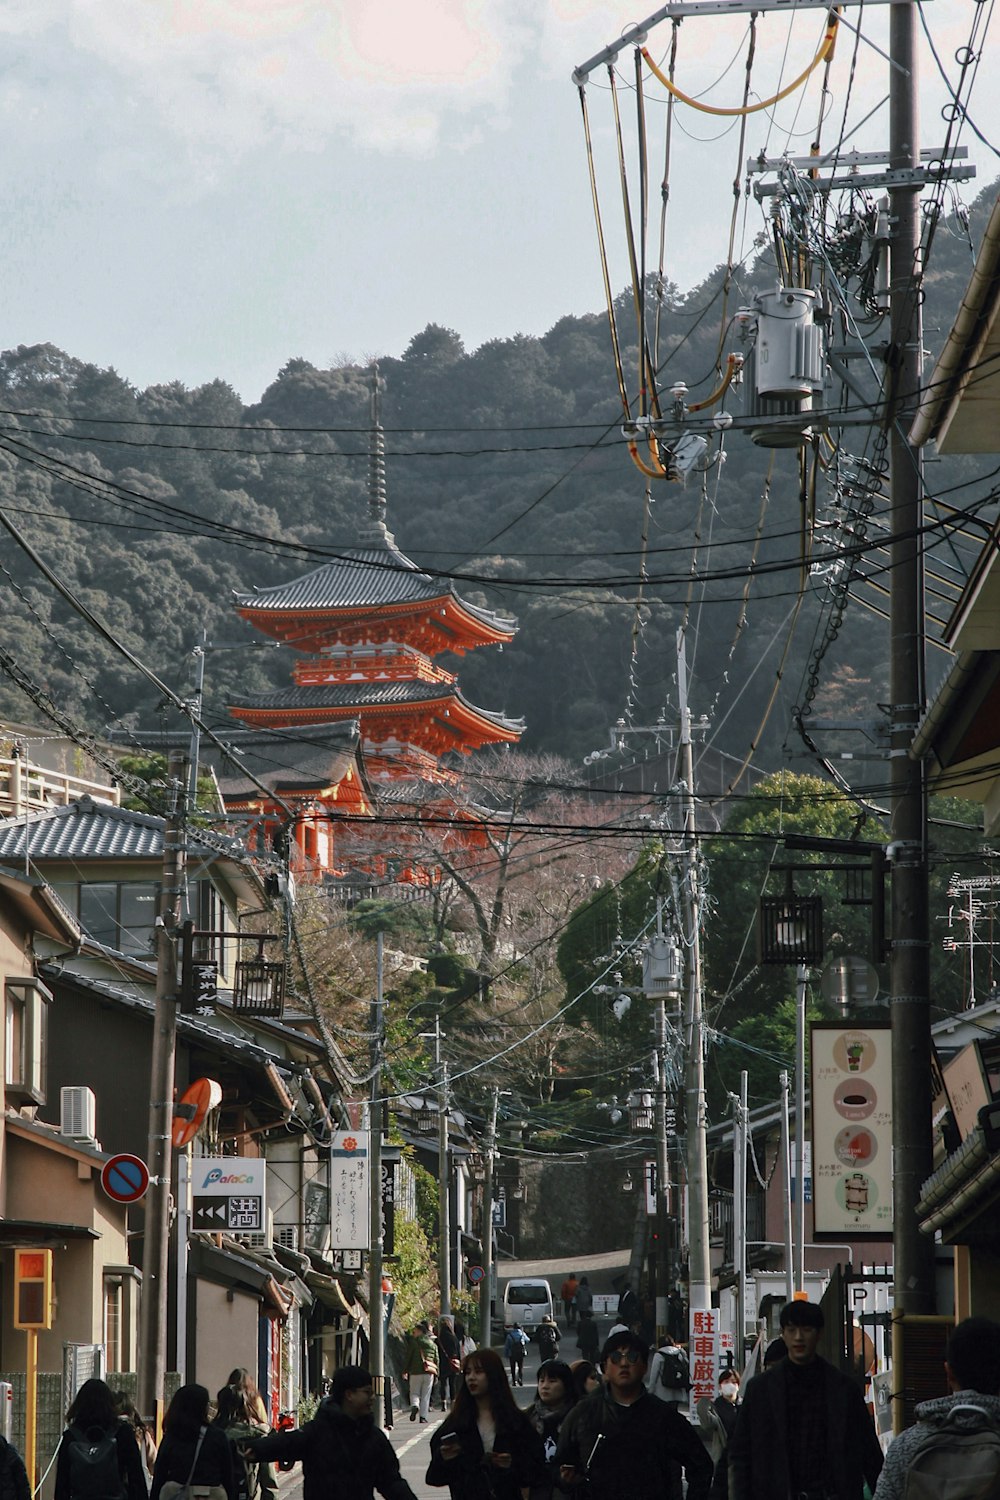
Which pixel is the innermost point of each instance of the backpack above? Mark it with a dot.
(957, 1462)
(94, 1472)
(548, 1340)
(674, 1370)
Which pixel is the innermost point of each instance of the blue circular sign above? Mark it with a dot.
(125, 1178)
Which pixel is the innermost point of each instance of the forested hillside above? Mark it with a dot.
(506, 470)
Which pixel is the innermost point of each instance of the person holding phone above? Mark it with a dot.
(485, 1449)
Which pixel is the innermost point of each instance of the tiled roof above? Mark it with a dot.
(368, 695)
(86, 829)
(317, 755)
(364, 577)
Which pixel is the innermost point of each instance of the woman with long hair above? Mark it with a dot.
(192, 1451)
(485, 1449)
(586, 1377)
(243, 1381)
(554, 1400)
(128, 1413)
(92, 1423)
(235, 1415)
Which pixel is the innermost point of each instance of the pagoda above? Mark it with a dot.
(366, 628)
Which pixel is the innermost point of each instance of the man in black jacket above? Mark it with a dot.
(622, 1441)
(343, 1454)
(803, 1429)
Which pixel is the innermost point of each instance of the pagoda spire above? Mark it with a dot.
(376, 463)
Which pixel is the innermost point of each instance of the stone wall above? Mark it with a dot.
(574, 1207)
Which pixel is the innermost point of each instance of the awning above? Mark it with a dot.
(328, 1291)
(37, 1232)
(227, 1269)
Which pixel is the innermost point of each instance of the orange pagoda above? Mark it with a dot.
(366, 628)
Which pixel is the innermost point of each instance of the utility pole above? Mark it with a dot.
(486, 1285)
(799, 1254)
(910, 960)
(152, 1359)
(699, 1267)
(444, 1218)
(376, 1353)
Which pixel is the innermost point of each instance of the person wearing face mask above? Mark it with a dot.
(716, 1422)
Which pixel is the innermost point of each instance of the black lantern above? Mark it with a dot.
(790, 929)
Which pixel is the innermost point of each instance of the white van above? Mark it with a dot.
(527, 1300)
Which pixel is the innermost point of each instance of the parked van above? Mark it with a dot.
(527, 1300)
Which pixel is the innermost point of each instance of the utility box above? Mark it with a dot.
(789, 346)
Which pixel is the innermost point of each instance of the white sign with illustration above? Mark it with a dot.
(350, 1205)
(851, 1130)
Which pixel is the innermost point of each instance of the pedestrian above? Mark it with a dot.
(98, 1454)
(129, 1414)
(620, 1441)
(236, 1416)
(555, 1398)
(588, 1340)
(584, 1297)
(13, 1475)
(547, 1338)
(669, 1377)
(629, 1309)
(192, 1452)
(716, 1423)
(449, 1361)
(586, 1377)
(944, 1436)
(247, 1386)
(421, 1367)
(514, 1346)
(342, 1452)
(775, 1351)
(466, 1343)
(568, 1294)
(485, 1449)
(803, 1427)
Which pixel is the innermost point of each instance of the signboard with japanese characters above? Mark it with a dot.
(350, 1204)
(851, 1092)
(228, 1194)
(704, 1355)
(388, 1207)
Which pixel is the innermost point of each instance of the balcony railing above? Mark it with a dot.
(29, 788)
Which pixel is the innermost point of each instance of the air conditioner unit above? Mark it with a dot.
(287, 1236)
(78, 1113)
(259, 1239)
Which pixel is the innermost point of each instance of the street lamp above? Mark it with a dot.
(790, 931)
(641, 1113)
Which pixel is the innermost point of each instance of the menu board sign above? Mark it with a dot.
(851, 1094)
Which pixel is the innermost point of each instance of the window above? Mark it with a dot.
(118, 914)
(113, 1350)
(24, 1040)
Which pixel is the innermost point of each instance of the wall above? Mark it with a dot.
(573, 1208)
(226, 1333)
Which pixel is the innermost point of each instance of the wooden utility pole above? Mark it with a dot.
(910, 962)
(152, 1360)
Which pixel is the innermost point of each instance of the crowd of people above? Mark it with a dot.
(603, 1429)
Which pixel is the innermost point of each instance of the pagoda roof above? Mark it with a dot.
(373, 577)
(295, 705)
(309, 758)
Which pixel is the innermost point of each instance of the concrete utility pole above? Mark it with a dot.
(152, 1359)
(376, 1354)
(910, 962)
(444, 1217)
(486, 1285)
(699, 1266)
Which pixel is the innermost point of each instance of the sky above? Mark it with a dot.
(201, 189)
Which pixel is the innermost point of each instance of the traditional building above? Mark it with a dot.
(367, 627)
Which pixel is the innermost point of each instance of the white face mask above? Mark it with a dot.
(729, 1389)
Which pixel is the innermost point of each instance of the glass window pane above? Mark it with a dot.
(99, 913)
(138, 916)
